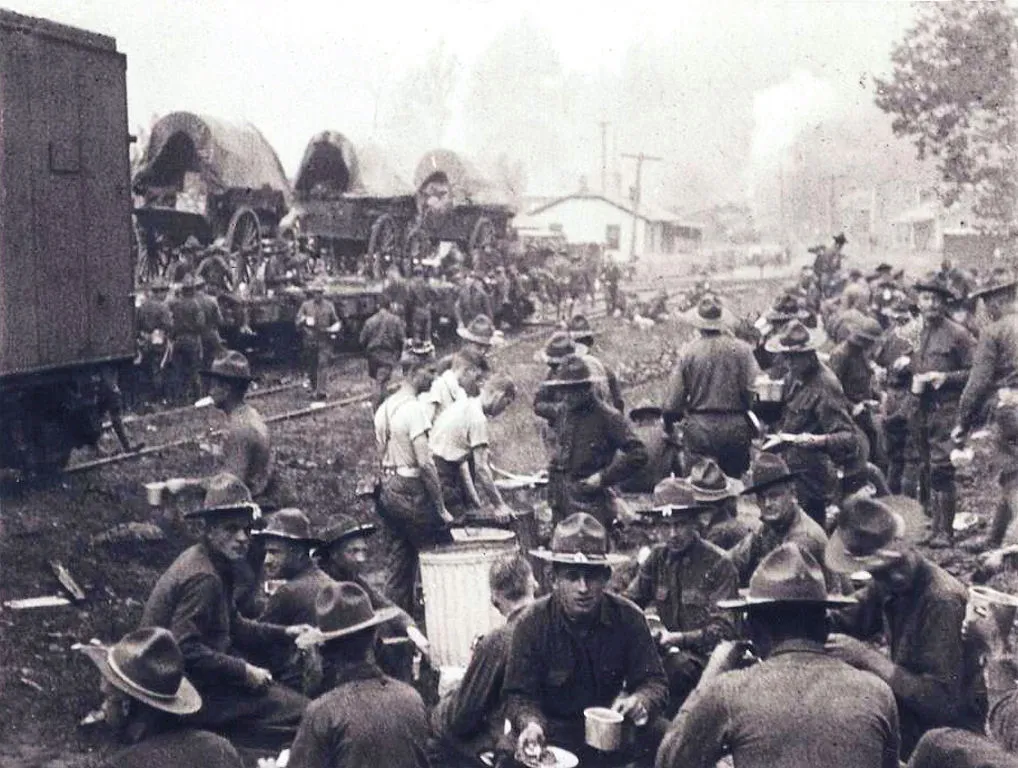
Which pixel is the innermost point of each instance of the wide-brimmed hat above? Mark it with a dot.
(709, 483)
(579, 540)
(232, 366)
(579, 327)
(343, 528)
(787, 576)
(559, 347)
(574, 372)
(794, 338)
(344, 608)
(882, 270)
(768, 470)
(866, 334)
(288, 524)
(673, 497)
(867, 531)
(708, 315)
(992, 290)
(226, 496)
(415, 351)
(645, 409)
(480, 330)
(148, 666)
(787, 307)
(939, 283)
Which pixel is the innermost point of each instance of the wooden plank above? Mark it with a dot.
(19, 347)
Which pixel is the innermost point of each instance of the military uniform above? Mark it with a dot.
(314, 318)
(211, 341)
(382, 338)
(155, 327)
(189, 325)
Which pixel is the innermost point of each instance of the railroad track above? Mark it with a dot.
(731, 287)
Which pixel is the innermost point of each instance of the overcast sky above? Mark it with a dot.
(295, 67)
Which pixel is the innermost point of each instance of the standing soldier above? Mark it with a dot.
(711, 391)
(155, 326)
(188, 329)
(607, 387)
(473, 300)
(894, 356)
(995, 370)
(421, 299)
(316, 319)
(850, 362)
(611, 275)
(382, 338)
(211, 342)
(940, 368)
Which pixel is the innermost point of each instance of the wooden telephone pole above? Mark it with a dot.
(640, 157)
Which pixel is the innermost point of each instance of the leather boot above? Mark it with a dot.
(943, 505)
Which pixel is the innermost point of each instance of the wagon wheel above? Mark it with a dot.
(482, 240)
(150, 261)
(384, 239)
(418, 245)
(244, 240)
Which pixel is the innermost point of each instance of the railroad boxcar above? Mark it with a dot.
(66, 272)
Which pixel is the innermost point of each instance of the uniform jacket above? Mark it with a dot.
(382, 336)
(714, 374)
(756, 545)
(294, 601)
(947, 347)
(184, 748)
(994, 366)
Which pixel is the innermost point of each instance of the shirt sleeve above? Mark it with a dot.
(238, 452)
(477, 428)
(931, 684)
(980, 381)
(645, 675)
(741, 556)
(480, 687)
(189, 622)
(720, 583)
(526, 670)
(697, 735)
(311, 747)
(675, 401)
(842, 438)
(641, 588)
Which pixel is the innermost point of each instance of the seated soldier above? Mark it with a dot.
(663, 451)
(288, 541)
(146, 700)
(989, 626)
(460, 444)
(581, 647)
(470, 719)
(715, 490)
(782, 517)
(683, 578)
(193, 600)
(365, 718)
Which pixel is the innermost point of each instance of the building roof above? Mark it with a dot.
(647, 211)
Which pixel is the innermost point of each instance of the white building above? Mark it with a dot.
(586, 218)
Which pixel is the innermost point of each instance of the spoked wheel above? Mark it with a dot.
(482, 241)
(150, 263)
(244, 240)
(384, 239)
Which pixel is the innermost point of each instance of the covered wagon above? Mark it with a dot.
(211, 179)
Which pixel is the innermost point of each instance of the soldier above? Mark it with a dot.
(611, 275)
(188, 329)
(940, 368)
(316, 319)
(607, 387)
(155, 327)
(663, 451)
(382, 338)
(710, 390)
(421, 300)
(995, 371)
(595, 447)
(479, 335)
(850, 362)
(185, 257)
(473, 300)
(211, 342)
(682, 579)
(214, 270)
(816, 425)
(894, 357)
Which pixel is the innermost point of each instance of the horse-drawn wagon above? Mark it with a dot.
(209, 179)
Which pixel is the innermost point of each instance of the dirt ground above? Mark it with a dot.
(45, 689)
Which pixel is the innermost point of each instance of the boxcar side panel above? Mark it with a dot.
(107, 201)
(18, 329)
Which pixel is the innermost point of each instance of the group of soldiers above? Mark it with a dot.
(781, 673)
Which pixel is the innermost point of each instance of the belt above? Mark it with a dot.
(411, 472)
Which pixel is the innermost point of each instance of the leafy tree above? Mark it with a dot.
(952, 91)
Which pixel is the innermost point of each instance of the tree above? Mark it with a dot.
(952, 91)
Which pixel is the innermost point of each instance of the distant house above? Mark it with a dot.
(585, 218)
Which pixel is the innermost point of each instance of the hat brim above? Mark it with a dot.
(838, 558)
(719, 494)
(310, 541)
(252, 510)
(692, 317)
(365, 529)
(186, 701)
(749, 602)
(381, 616)
(579, 558)
(774, 345)
(465, 334)
(645, 412)
(785, 479)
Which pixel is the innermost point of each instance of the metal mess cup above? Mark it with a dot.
(919, 383)
(154, 493)
(602, 728)
(986, 601)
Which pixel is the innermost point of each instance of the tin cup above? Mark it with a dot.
(986, 601)
(602, 728)
(918, 384)
(154, 493)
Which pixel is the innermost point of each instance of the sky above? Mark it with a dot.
(716, 87)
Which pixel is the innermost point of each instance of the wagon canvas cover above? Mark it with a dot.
(332, 167)
(466, 185)
(225, 155)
